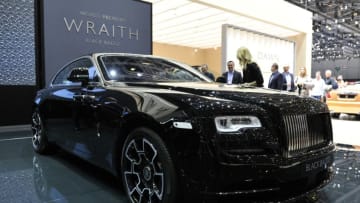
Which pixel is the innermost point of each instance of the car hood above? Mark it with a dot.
(216, 96)
(350, 89)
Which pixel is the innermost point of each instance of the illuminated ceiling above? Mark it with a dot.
(193, 24)
(336, 26)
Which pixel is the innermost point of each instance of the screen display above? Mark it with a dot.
(75, 28)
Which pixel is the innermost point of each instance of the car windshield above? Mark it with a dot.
(145, 69)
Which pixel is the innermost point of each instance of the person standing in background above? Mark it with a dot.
(276, 78)
(205, 71)
(330, 81)
(340, 81)
(232, 76)
(318, 90)
(251, 72)
(303, 83)
(289, 84)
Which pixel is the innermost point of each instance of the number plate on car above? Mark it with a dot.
(318, 164)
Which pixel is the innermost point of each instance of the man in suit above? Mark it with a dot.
(232, 76)
(276, 79)
(289, 83)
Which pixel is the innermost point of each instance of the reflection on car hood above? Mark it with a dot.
(265, 98)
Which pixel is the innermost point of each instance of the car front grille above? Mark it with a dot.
(306, 132)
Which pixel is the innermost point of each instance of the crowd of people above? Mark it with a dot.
(251, 75)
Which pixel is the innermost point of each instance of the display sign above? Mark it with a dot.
(74, 28)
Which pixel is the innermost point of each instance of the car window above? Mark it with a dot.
(145, 69)
(61, 77)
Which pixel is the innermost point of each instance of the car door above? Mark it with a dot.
(70, 121)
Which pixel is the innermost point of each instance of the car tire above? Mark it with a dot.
(147, 169)
(39, 138)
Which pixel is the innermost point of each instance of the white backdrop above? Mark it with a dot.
(265, 49)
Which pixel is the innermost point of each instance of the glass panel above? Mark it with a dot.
(146, 69)
(62, 77)
(17, 36)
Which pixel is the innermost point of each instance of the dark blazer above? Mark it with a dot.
(237, 78)
(293, 88)
(253, 73)
(332, 82)
(209, 75)
(276, 81)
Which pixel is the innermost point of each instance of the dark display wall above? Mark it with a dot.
(349, 69)
(16, 104)
(17, 63)
(17, 42)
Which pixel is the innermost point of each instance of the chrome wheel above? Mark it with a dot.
(37, 130)
(147, 169)
(143, 171)
(39, 138)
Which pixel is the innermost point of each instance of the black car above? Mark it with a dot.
(166, 130)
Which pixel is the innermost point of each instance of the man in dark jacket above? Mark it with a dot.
(276, 79)
(289, 83)
(205, 71)
(232, 76)
(330, 81)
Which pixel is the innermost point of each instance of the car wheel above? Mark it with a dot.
(39, 139)
(147, 168)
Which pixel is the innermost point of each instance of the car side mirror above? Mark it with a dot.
(221, 79)
(80, 74)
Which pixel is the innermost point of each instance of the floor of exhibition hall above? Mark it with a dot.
(28, 177)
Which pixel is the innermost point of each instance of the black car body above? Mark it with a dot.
(164, 129)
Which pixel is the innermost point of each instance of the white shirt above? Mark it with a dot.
(288, 81)
(230, 76)
(319, 87)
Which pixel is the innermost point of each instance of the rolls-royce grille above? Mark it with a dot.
(305, 132)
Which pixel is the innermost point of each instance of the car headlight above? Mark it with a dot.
(235, 123)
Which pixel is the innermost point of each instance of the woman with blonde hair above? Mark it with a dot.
(303, 82)
(251, 72)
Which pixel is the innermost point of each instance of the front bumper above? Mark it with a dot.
(350, 107)
(277, 182)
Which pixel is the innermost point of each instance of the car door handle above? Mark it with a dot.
(89, 98)
(84, 98)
